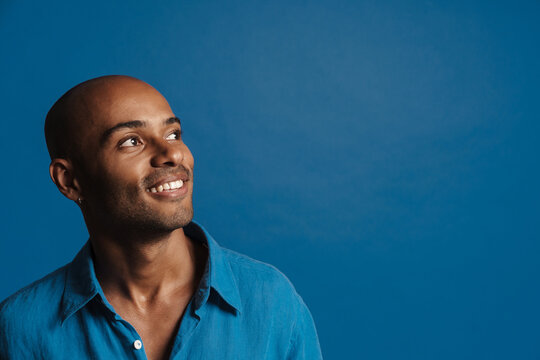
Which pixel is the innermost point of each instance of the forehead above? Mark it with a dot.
(126, 101)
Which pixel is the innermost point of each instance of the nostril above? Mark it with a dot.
(167, 154)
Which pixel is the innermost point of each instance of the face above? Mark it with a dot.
(136, 173)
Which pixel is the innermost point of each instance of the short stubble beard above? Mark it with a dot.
(126, 213)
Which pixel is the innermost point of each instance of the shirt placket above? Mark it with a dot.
(131, 340)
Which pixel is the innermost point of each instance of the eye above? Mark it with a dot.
(132, 141)
(174, 135)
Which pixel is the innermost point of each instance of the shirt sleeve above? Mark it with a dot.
(304, 340)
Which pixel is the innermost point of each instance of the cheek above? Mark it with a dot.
(118, 175)
(126, 174)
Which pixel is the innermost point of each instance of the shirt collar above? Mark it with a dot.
(82, 284)
(218, 273)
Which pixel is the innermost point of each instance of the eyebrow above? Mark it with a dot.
(131, 125)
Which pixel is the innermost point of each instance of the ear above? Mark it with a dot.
(61, 171)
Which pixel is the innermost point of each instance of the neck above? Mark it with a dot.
(144, 271)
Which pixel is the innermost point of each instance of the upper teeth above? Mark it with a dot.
(167, 186)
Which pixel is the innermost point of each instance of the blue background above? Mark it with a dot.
(383, 155)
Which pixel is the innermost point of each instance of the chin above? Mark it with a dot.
(128, 213)
(183, 219)
(151, 229)
(177, 220)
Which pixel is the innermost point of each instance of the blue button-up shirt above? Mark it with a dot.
(243, 309)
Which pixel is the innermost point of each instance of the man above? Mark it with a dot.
(150, 283)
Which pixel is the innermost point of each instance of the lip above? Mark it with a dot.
(183, 177)
(171, 193)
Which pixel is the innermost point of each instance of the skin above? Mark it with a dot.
(148, 268)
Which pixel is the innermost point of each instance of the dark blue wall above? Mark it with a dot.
(383, 155)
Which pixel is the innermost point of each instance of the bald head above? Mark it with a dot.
(112, 140)
(80, 107)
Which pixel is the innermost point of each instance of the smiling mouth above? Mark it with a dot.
(171, 185)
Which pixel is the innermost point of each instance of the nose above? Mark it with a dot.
(167, 154)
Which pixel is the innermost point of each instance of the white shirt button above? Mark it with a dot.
(137, 344)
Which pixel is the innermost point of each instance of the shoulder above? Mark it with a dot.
(262, 281)
(33, 304)
(270, 300)
(247, 267)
